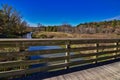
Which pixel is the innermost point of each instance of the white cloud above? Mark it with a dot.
(113, 18)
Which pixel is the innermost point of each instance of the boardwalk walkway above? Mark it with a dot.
(103, 71)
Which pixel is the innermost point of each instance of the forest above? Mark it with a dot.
(106, 27)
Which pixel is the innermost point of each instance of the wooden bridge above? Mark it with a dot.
(77, 59)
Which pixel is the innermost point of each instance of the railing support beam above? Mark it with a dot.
(116, 49)
(97, 45)
(67, 54)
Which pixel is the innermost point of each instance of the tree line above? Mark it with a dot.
(85, 28)
(112, 26)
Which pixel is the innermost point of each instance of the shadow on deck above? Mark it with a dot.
(47, 75)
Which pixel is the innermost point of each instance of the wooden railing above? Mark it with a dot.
(73, 52)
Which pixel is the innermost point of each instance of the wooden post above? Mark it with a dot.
(22, 49)
(97, 45)
(116, 48)
(67, 54)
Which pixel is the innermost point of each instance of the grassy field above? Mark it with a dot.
(73, 35)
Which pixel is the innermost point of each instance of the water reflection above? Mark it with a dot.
(34, 48)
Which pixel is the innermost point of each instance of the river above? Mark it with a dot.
(33, 48)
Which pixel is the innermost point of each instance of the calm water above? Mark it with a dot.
(34, 48)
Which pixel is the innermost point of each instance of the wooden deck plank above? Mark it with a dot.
(60, 78)
(73, 77)
(67, 77)
(81, 77)
(114, 71)
(94, 73)
(105, 72)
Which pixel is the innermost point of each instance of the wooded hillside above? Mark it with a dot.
(86, 28)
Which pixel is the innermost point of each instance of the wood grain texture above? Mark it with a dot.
(105, 72)
(62, 61)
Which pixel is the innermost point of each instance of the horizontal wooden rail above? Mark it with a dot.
(46, 42)
(66, 56)
(9, 64)
(52, 51)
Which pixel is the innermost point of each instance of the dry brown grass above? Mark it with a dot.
(99, 36)
(74, 35)
(53, 35)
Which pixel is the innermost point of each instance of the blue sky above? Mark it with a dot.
(55, 12)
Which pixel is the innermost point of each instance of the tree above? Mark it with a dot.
(1, 20)
(11, 22)
(114, 23)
